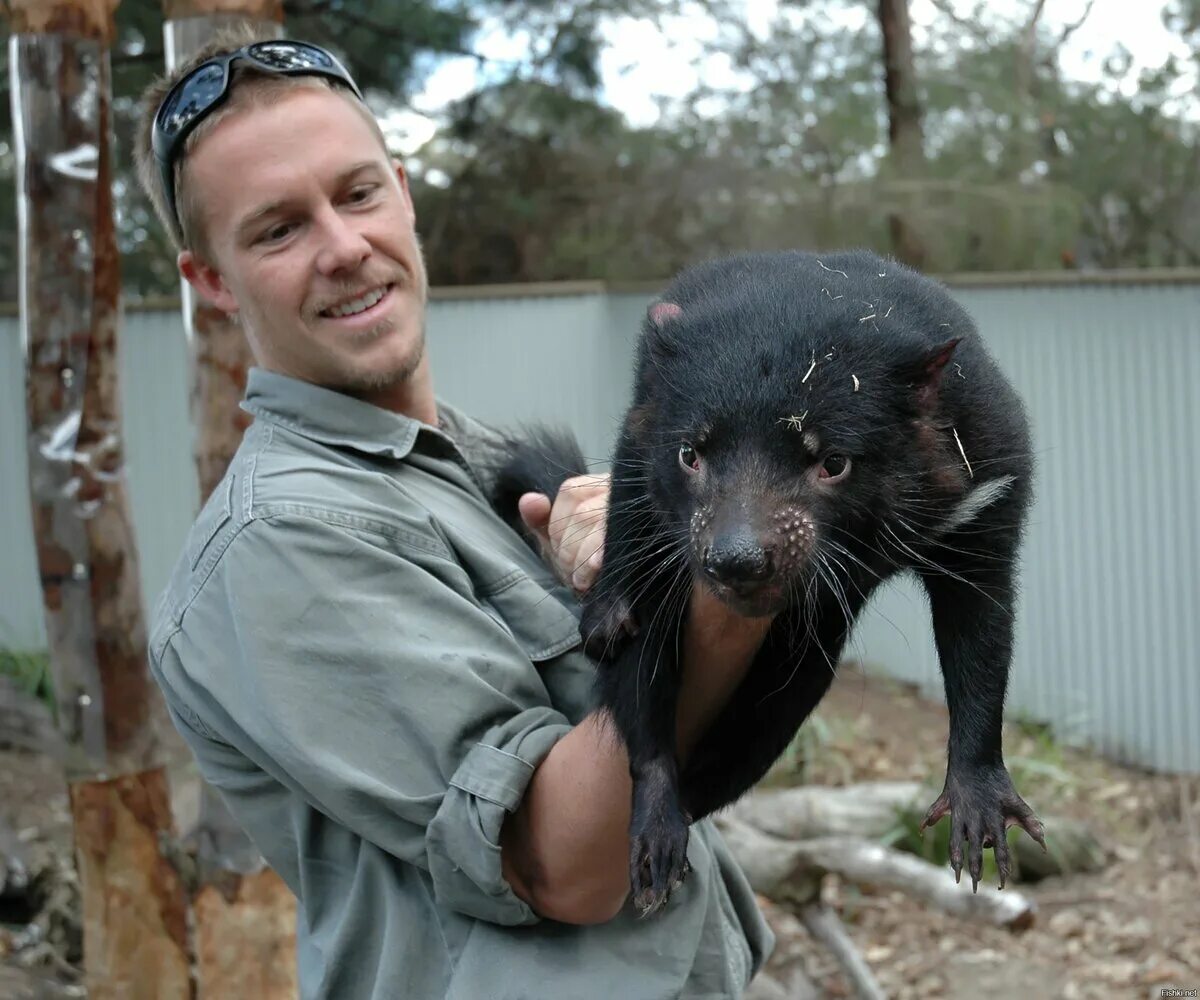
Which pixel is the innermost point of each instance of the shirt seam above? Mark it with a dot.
(274, 510)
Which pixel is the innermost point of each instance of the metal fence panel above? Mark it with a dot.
(1107, 644)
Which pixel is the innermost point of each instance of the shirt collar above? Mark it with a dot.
(328, 416)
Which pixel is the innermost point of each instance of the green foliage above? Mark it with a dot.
(31, 672)
(934, 844)
(532, 177)
(1041, 775)
(815, 754)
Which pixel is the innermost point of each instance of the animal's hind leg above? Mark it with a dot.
(640, 690)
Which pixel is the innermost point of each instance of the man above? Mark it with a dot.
(382, 680)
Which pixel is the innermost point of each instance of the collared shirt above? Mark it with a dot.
(369, 665)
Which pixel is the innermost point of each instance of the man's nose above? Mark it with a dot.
(343, 248)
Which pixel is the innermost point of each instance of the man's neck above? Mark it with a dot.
(413, 396)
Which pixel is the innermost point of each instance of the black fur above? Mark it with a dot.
(538, 461)
(745, 366)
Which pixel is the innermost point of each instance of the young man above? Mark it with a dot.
(382, 680)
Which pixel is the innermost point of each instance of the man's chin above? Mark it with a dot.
(375, 377)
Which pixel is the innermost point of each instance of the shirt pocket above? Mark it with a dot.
(532, 615)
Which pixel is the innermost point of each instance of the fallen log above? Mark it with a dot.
(823, 924)
(872, 810)
(868, 810)
(790, 871)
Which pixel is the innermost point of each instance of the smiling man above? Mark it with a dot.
(383, 681)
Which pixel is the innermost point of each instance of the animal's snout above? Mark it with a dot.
(738, 559)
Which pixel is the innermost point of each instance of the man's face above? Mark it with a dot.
(310, 230)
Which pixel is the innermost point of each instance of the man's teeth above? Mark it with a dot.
(358, 305)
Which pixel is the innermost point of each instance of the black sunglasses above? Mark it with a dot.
(193, 98)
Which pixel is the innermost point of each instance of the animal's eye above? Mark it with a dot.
(689, 458)
(834, 467)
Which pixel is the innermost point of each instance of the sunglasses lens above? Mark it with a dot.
(290, 55)
(193, 99)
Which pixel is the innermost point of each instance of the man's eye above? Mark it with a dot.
(276, 233)
(361, 194)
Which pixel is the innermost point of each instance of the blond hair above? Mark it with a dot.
(249, 87)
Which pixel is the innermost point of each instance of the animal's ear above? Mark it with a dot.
(925, 375)
(661, 313)
(660, 318)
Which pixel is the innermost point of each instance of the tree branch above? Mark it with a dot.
(946, 7)
(1070, 29)
(295, 8)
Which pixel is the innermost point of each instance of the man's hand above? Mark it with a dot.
(572, 529)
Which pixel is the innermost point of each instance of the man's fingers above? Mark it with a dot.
(535, 512)
(585, 574)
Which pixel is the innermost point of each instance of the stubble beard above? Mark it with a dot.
(375, 381)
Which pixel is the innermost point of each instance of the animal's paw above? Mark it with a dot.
(606, 625)
(658, 861)
(982, 804)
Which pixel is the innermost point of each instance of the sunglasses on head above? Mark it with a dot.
(193, 98)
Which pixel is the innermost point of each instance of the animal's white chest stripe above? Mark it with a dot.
(968, 508)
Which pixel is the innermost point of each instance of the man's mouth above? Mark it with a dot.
(360, 304)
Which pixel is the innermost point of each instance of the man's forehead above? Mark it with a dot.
(261, 151)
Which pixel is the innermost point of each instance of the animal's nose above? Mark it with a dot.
(737, 559)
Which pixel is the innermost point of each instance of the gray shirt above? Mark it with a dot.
(369, 664)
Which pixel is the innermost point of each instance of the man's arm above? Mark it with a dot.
(355, 665)
(565, 850)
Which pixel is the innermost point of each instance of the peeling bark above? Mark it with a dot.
(263, 10)
(134, 910)
(135, 926)
(88, 19)
(246, 940)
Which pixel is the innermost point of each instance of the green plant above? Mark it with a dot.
(30, 669)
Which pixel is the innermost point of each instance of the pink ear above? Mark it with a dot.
(940, 357)
(662, 313)
(929, 377)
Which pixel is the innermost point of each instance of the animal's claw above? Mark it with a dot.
(658, 861)
(982, 804)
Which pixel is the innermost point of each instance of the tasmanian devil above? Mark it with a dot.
(802, 428)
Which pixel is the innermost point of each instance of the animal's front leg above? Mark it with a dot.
(640, 690)
(658, 834)
(973, 628)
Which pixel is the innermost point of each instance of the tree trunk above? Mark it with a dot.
(904, 125)
(245, 916)
(135, 942)
(220, 353)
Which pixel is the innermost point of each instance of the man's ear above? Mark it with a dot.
(402, 177)
(207, 281)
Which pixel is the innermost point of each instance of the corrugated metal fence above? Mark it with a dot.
(1107, 645)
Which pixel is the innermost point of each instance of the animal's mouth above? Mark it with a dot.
(753, 601)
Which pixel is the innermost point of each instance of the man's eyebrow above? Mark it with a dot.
(256, 217)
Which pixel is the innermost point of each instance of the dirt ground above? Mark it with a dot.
(1130, 930)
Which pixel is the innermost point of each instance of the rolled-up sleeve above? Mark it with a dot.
(360, 669)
